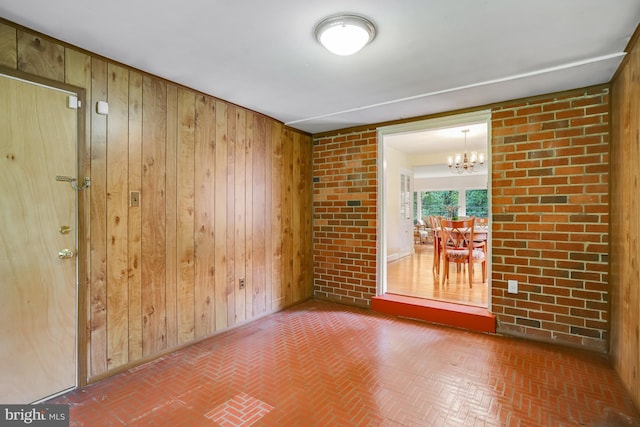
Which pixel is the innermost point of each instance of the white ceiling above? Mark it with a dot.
(445, 140)
(429, 149)
(429, 56)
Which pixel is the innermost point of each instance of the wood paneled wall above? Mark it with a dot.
(624, 263)
(225, 194)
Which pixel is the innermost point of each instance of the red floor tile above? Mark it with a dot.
(441, 312)
(241, 410)
(323, 364)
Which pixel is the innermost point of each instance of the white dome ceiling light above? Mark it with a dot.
(345, 34)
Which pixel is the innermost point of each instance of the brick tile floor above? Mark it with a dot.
(323, 364)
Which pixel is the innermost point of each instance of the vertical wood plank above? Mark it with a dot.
(185, 227)
(268, 212)
(620, 263)
(249, 213)
(231, 242)
(171, 212)
(615, 222)
(153, 204)
(8, 46)
(204, 216)
(296, 220)
(39, 56)
(621, 174)
(631, 179)
(221, 217)
(78, 73)
(98, 290)
(307, 214)
(287, 217)
(259, 209)
(117, 207)
(240, 184)
(135, 217)
(277, 296)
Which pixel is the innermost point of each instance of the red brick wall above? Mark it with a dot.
(550, 217)
(344, 217)
(550, 205)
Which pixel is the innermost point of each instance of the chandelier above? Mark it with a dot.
(463, 162)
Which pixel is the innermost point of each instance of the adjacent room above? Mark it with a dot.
(435, 188)
(224, 214)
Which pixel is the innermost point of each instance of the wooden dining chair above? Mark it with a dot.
(435, 225)
(481, 243)
(482, 221)
(457, 247)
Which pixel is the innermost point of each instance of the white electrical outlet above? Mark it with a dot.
(512, 286)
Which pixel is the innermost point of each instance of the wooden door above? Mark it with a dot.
(38, 308)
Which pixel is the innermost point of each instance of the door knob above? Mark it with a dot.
(65, 253)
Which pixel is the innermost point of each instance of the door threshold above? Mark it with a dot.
(444, 313)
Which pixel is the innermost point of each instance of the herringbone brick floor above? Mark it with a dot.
(323, 364)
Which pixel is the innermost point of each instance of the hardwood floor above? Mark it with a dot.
(413, 276)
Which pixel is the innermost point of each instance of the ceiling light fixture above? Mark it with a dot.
(345, 34)
(462, 162)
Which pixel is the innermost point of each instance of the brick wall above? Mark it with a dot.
(550, 160)
(344, 217)
(550, 217)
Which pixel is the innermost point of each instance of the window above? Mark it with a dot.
(477, 203)
(428, 203)
(470, 203)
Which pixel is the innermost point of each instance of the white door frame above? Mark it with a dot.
(435, 123)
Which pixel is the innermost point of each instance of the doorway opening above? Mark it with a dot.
(416, 184)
